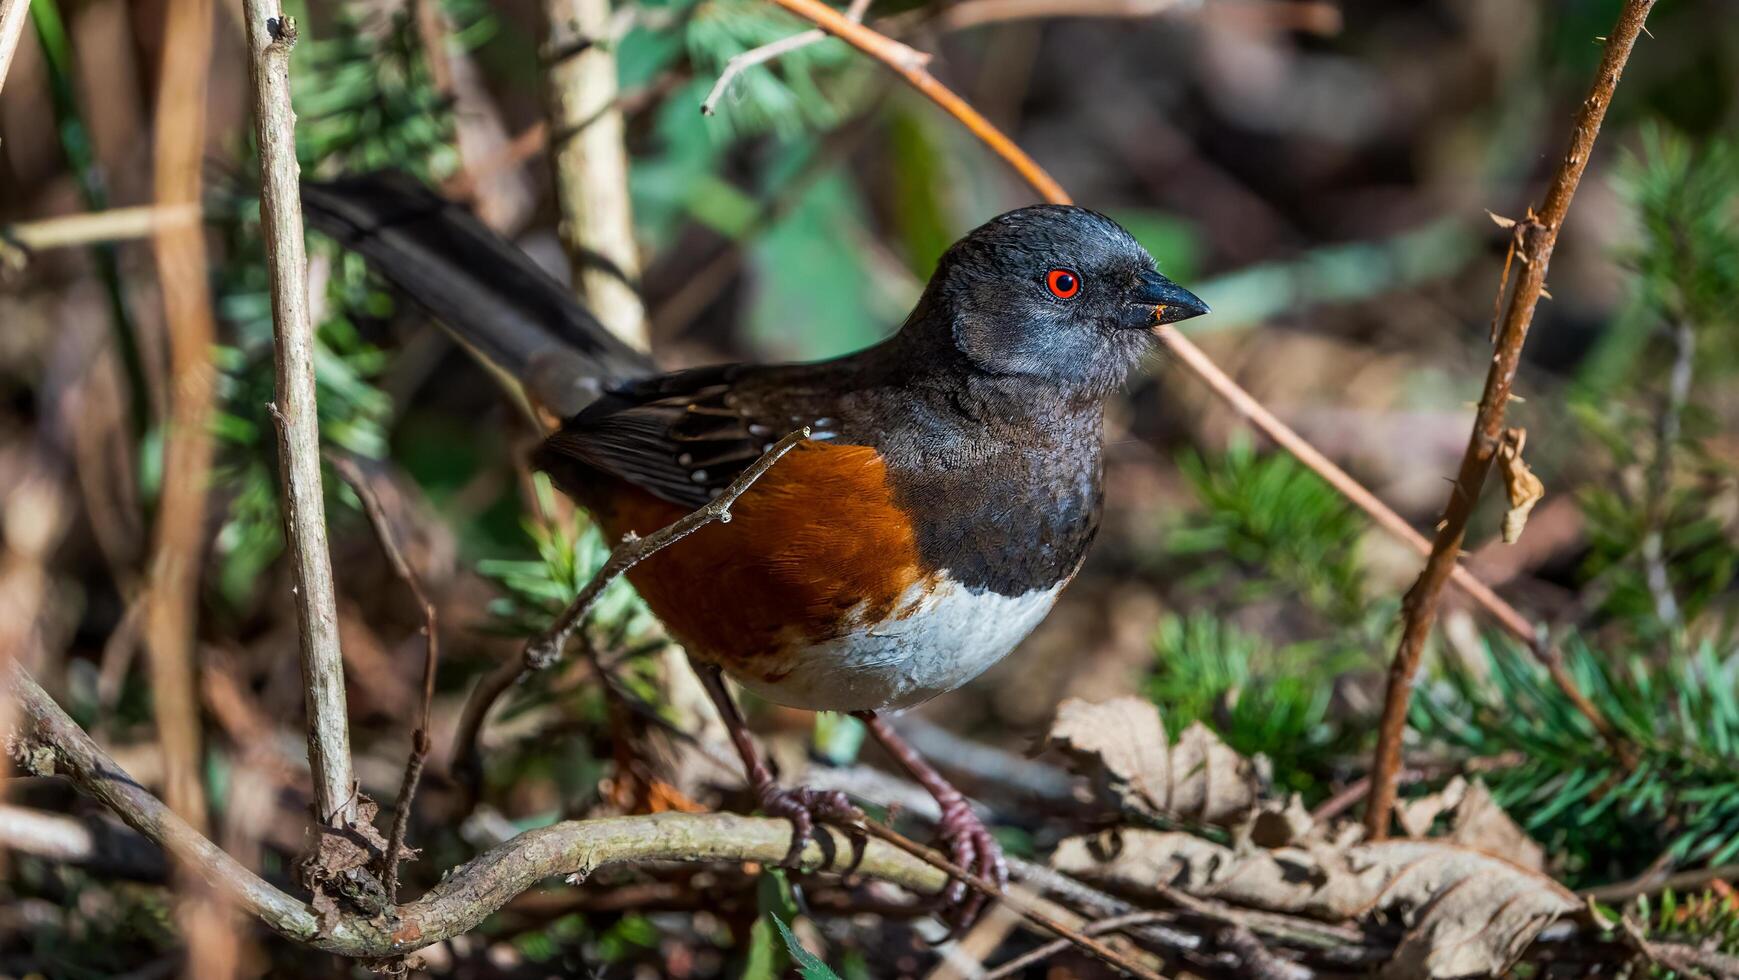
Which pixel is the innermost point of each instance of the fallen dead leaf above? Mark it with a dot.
(1523, 487)
(1475, 821)
(1122, 745)
(1466, 913)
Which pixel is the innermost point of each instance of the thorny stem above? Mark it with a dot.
(352, 474)
(545, 649)
(1536, 237)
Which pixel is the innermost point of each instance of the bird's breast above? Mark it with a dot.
(819, 594)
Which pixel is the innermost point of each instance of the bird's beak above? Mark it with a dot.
(1170, 301)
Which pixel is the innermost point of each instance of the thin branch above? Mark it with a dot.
(1116, 923)
(1680, 959)
(270, 37)
(13, 13)
(352, 474)
(546, 648)
(1536, 237)
(1652, 882)
(47, 741)
(1257, 961)
(988, 888)
(96, 227)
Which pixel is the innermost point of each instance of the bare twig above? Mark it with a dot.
(770, 52)
(591, 164)
(1536, 237)
(1651, 882)
(270, 37)
(13, 13)
(49, 741)
(94, 227)
(987, 888)
(1116, 923)
(352, 474)
(1257, 961)
(1682, 960)
(546, 648)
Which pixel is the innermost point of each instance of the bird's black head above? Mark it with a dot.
(1052, 293)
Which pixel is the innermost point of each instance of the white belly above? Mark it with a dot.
(943, 639)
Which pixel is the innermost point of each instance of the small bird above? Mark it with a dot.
(948, 491)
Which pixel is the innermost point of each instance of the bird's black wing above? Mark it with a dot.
(684, 436)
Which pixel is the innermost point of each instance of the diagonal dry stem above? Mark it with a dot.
(1536, 236)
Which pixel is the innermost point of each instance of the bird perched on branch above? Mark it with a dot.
(947, 493)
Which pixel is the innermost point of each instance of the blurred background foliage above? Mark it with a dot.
(1325, 191)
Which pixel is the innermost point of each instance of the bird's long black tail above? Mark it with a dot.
(483, 289)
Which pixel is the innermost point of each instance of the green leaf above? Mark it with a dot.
(809, 965)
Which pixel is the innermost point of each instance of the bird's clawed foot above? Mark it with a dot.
(972, 848)
(806, 808)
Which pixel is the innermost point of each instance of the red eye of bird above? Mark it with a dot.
(1064, 284)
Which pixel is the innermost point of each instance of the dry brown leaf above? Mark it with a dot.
(1475, 821)
(1466, 912)
(1416, 816)
(1121, 744)
(1523, 487)
(1500, 220)
(1481, 824)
